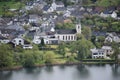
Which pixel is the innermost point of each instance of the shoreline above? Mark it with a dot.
(54, 64)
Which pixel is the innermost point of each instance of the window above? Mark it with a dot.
(63, 37)
(95, 53)
(14, 41)
(71, 37)
(74, 37)
(20, 41)
(46, 42)
(66, 37)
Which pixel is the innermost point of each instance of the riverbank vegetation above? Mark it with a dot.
(65, 53)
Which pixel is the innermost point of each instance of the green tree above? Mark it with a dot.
(28, 59)
(6, 56)
(49, 57)
(86, 2)
(61, 49)
(42, 44)
(107, 3)
(116, 49)
(86, 31)
(82, 48)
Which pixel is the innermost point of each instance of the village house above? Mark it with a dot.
(112, 37)
(109, 12)
(98, 53)
(104, 52)
(4, 39)
(108, 50)
(33, 18)
(18, 41)
(53, 7)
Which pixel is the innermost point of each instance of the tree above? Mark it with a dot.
(82, 48)
(6, 56)
(116, 49)
(49, 56)
(61, 49)
(5, 9)
(86, 2)
(115, 26)
(28, 59)
(108, 3)
(42, 44)
(87, 32)
(67, 25)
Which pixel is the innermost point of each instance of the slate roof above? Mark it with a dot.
(46, 7)
(12, 33)
(35, 24)
(33, 16)
(7, 31)
(2, 38)
(59, 3)
(63, 31)
(60, 9)
(77, 13)
(16, 27)
(98, 33)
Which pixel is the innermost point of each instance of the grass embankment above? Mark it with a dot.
(11, 5)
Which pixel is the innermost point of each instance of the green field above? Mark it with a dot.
(12, 5)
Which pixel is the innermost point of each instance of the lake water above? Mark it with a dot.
(74, 72)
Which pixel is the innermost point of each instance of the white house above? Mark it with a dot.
(36, 39)
(33, 18)
(104, 52)
(67, 14)
(98, 53)
(18, 41)
(53, 7)
(4, 40)
(109, 14)
(112, 37)
(108, 50)
(114, 14)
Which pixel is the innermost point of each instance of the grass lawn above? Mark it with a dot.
(12, 5)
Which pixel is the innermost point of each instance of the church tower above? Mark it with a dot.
(78, 27)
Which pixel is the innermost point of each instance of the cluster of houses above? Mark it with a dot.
(106, 51)
(36, 27)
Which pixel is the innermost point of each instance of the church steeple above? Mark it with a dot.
(78, 26)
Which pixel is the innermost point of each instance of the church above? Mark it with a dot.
(52, 36)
